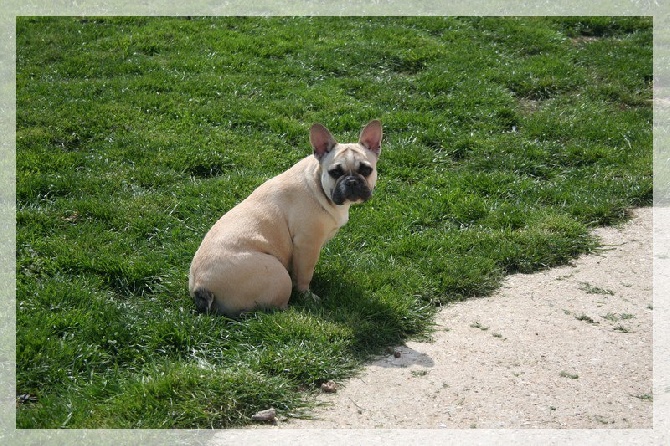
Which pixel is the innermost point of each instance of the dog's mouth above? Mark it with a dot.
(351, 188)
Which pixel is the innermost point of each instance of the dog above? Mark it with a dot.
(269, 244)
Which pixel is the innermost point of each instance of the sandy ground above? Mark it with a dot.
(565, 348)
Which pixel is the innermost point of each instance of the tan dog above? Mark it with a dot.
(270, 242)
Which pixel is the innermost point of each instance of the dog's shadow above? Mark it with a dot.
(376, 324)
(404, 357)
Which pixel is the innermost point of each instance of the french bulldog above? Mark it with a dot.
(268, 245)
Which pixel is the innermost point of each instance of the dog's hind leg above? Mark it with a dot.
(241, 283)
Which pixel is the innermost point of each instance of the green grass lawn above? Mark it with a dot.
(506, 140)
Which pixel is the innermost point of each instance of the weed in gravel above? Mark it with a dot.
(644, 397)
(591, 289)
(614, 317)
(585, 318)
(565, 374)
(478, 325)
(603, 420)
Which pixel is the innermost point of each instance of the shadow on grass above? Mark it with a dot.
(374, 319)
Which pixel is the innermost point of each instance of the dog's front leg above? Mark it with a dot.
(305, 256)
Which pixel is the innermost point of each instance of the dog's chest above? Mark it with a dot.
(341, 219)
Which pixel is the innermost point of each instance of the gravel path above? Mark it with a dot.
(566, 348)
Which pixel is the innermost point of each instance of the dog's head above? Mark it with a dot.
(348, 171)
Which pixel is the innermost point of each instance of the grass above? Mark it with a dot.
(507, 139)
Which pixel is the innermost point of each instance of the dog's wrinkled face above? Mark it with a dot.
(348, 171)
(348, 175)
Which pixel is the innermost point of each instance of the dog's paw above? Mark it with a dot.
(309, 295)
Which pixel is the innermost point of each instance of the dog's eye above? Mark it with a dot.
(336, 172)
(365, 170)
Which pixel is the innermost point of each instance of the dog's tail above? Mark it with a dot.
(203, 299)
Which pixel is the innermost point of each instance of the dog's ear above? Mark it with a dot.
(371, 137)
(321, 140)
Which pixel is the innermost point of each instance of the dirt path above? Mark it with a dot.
(570, 347)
